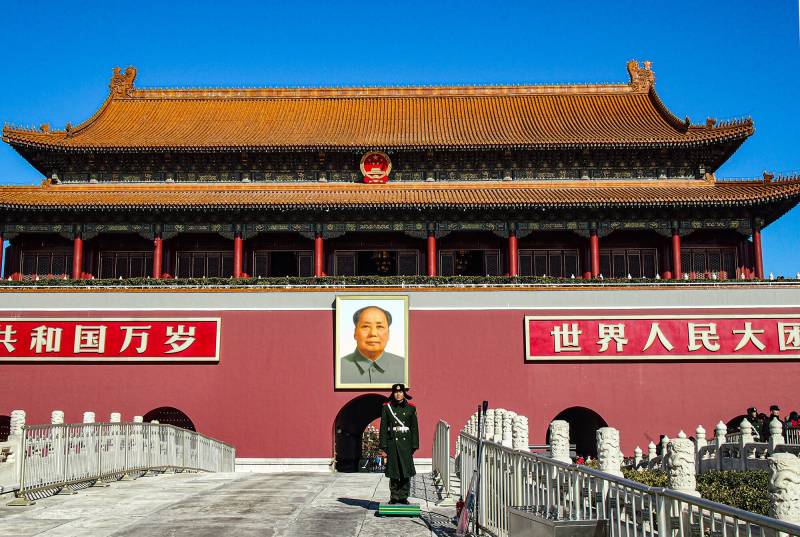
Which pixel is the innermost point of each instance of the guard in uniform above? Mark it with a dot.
(399, 439)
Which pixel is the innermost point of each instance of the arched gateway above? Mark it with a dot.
(170, 416)
(349, 426)
(583, 425)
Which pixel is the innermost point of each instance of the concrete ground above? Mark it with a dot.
(199, 505)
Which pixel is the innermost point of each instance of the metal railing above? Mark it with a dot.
(441, 456)
(61, 456)
(793, 436)
(558, 490)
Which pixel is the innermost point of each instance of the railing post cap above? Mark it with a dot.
(700, 429)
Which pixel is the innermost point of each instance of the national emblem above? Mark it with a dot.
(376, 166)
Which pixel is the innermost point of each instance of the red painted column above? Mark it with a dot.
(237, 254)
(677, 273)
(158, 256)
(319, 256)
(77, 256)
(431, 254)
(512, 253)
(594, 252)
(757, 254)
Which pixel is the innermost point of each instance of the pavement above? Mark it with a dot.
(200, 505)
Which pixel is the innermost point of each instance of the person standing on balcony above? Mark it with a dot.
(399, 439)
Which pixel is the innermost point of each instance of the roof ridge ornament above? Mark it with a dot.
(642, 78)
(122, 83)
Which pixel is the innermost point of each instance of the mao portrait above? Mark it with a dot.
(371, 341)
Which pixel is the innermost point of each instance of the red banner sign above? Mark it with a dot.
(51, 339)
(662, 337)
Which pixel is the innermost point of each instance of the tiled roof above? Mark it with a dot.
(466, 195)
(389, 117)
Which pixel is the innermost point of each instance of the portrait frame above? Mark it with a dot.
(346, 346)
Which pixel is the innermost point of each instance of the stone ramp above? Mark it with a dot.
(200, 505)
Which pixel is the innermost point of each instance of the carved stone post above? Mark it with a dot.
(663, 445)
(700, 443)
(88, 417)
(784, 487)
(508, 432)
(488, 425)
(608, 454)
(138, 419)
(637, 458)
(520, 433)
(498, 425)
(721, 433)
(115, 417)
(775, 434)
(746, 428)
(57, 417)
(17, 422)
(681, 466)
(651, 451)
(559, 441)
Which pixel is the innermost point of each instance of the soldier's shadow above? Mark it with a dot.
(356, 502)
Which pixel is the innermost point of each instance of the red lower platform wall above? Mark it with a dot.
(272, 395)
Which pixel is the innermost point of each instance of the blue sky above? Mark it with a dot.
(718, 59)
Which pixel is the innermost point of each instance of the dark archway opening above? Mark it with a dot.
(583, 425)
(734, 423)
(349, 428)
(170, 416)
(5, 428)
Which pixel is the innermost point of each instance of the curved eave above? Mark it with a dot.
(402, 196)
(738, 134)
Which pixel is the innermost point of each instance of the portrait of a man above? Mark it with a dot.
(375, 355)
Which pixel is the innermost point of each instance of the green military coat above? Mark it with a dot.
(399, 445)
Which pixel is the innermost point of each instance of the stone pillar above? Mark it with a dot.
(513, 262)
(158, 256)
(488, 425)
(115, 417)
(637, 458)
(608, 454)
(77, 256)
(88, 417)
(431, 259)
(758, 260)
(520, 433)
(237, 254)
(594, 252)
(508, 430)
(319, 256)
(155, 422)
(664, 443)
(784, 487)
(498, 425)
(138, 419)
(57, 417)
(720, 433)
(17, 422)
(681, 465)
(676, 255)
(700, 443)
(651, 451)
(559, 441)
(775, 434)
(746, 429)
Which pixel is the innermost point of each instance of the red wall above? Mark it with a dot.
(271, 394)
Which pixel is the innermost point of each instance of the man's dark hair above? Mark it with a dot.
(358, 312)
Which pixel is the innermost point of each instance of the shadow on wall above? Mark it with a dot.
(170, 416)
(583, 425)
